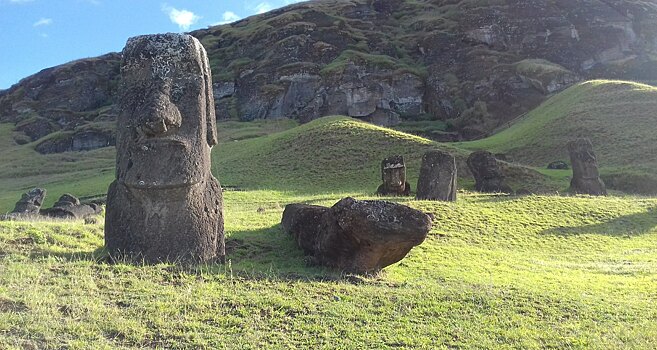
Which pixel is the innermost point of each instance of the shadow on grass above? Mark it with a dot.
(260, 254)
(624, 226)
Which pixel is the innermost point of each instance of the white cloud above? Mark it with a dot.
(43, 22)
(183, 18)
(229, 16)
(263, 7)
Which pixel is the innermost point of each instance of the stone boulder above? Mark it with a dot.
(586, 177)
(438, 175)
(30, 203)
(356, 236)
(393, 175)
(487, 173)
(69, 207)
(558, 165)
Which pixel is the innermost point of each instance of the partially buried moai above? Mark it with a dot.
(393, 175)
(586, 177)
(438, 176)
(165, 205)
(487, 173)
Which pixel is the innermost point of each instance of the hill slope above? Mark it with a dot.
(619, 118)
(476, 64)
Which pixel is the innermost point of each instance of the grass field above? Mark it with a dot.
(495, 272)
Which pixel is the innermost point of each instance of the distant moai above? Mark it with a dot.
(30, 203)
(586, 177)
(393, 175)
(165, 205)
(69, 207)
(487, 173)
(438, 177)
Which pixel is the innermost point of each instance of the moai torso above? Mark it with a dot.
(586, 176)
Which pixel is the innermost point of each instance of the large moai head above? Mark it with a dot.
(166, 123)
(393, 175)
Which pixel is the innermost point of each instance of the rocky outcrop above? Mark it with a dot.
(472, 64)
(356, 236)
(82, 140)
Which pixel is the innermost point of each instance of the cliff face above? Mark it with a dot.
(473, 63)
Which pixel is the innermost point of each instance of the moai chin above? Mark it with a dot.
(165, 205)
(393, 175)
(586, 177)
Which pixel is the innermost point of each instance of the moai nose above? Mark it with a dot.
(159, 115)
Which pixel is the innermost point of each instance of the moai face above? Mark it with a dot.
(484, 165)
(165, 126)
(584, 161)
(393, 173)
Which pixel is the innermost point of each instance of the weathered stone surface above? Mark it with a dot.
(487, 173)
(558, 165)
(393, 175)
(69, 207)
(165, 205)
(586, 177)
(30, 203)
(491, 64)
(356, 236)
(438, 175)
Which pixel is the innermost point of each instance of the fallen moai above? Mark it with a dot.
(356, 236)
(165, 205)
(69, 207)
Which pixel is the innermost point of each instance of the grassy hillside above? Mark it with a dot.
(619, 117)
(495, 272)
(334, 154)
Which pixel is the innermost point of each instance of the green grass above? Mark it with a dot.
(495, 272)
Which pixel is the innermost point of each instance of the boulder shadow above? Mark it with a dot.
(624, 226)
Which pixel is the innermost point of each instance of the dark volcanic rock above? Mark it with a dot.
(393, 175)
(69, 207)
(36, 128)
(438, 175)
(82, 140)
(487, 173)
(356, 236)
(30, 203)
(476, 64)
(558, 165)
(165, 205)
(586, 177)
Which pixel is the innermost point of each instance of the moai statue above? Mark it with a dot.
(586, 178)
(29, 204)
(393, 174)
(437, 177)
(487, 173)
(69, 207)
(165, 205)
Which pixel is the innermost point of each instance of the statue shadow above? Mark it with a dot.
(265, 253)
(624, 226)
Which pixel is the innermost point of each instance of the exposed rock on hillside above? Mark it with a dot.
(474, 64)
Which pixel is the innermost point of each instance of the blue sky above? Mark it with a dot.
(37, 34)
